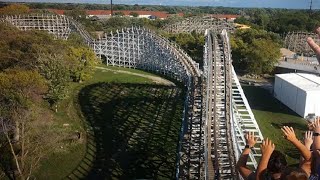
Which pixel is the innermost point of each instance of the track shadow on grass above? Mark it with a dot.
(133, 131)
(261, 99)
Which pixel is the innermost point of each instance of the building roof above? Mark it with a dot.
(306, 82)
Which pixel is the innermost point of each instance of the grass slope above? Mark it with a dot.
(135, 130)
(132, 127)
(271, 115)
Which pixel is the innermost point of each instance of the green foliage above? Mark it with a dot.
(83, 61)
(242, 20)
(77, 14)
(118, 13)
(56, 72)
(91, 24)
(35, 67)
(255, 51)
(172, 19)
(76, 39)
(14, 9)
(21, 48)
(170, 9)
(134, 14)
(117, 23)
(281, 21)
(191, 43)
(31, 49)
(21, 94)
(19, 89)
(80, 15)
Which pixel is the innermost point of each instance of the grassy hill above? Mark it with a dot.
(129, 126)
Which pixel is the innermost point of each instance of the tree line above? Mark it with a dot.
(255, 51)
(258, 19)
(170, 9)
(281, 21)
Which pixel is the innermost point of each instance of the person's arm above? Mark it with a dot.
(291, 136)
(306, 164)
(242, 162)
(316, 132)
(314, 45)
(308, 139)
(267, 148)
(316, 142)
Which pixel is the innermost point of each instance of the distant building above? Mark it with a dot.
(299, 91)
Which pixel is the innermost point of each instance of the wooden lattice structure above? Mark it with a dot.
(200, 25)
(143, 49)
(297, 42)
(57, 25)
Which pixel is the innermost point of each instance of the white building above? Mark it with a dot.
(299, 91)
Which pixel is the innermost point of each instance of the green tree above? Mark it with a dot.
(21, 48)
(82, 61)
(242, 20)
(14, 9)
(191, 43)
(134, 14)
(255, 51)
(136, 7)
(262, 19)
(118, 13)
(30, 73)
(54, 69)
(77, 14)
(20, 90)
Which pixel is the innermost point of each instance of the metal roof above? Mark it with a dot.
(306, 82)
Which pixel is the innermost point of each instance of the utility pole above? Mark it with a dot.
(111, 8)
(310, 6)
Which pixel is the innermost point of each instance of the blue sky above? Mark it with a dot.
(296, 4)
